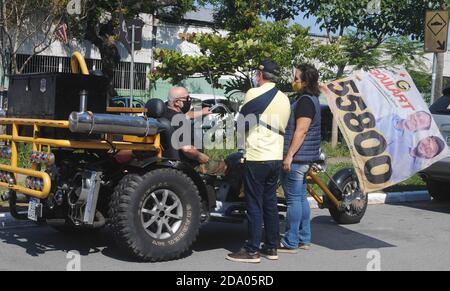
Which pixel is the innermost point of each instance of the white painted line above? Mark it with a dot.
(2, 215)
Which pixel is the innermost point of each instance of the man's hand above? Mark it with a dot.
(198, 114)
(287, 164)
(206, 112)
(203, 159)
(192, 153)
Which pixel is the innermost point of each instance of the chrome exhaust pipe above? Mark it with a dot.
(93, 123)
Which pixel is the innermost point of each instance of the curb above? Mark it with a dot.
(388, 198)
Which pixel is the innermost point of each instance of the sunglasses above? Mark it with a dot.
(185, 99)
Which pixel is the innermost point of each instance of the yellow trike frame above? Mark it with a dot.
(132, 143)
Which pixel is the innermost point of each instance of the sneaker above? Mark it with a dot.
(304, 247)
(285, 250)
(244, 256)
(270, 254)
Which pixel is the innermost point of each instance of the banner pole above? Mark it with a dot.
(434, 79)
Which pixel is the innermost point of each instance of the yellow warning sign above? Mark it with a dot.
(436, 31)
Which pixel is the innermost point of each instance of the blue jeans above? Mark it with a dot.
(298, 221)
(260, 182)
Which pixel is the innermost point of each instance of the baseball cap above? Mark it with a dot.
(269, 66)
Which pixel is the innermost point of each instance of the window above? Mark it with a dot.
(50, 64)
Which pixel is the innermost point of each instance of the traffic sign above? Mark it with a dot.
(436, 31)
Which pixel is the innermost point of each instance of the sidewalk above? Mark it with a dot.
(389, 198)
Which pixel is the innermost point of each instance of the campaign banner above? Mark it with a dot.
(387, 124)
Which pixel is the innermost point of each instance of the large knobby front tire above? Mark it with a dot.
(156, 217)
(348, 182)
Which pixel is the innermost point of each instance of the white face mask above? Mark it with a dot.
(254, 82)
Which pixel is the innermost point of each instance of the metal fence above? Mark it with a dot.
(48, 64)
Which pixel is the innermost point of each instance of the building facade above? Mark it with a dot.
(156, 34)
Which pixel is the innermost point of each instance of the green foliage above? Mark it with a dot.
(341, 151)
(397, 17)
(423, 82)
(365, 40)
(237, 15)
(238, 54)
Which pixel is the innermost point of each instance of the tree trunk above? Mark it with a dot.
(103, 38)
(110, 60)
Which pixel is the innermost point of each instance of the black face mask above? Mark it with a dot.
(186, 107)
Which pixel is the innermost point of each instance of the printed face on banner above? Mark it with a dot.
(387, 124)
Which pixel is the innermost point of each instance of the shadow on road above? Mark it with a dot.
(217, 235)
(39, 240)
(328, 234)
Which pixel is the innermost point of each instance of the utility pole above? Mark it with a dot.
(133, 39)
(438, 76)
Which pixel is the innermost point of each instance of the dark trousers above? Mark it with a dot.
(261, 182)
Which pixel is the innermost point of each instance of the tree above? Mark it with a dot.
(100, 21)
(367, 32)
(27, 23)
(238, 54)
(238, 15)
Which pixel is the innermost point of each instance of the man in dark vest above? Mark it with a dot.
(264, 154)
(301, 149)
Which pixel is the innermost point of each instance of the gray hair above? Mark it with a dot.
(176, 93)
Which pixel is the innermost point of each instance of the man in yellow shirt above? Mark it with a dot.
(271, 109)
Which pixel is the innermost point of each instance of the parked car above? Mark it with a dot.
(327, 119)
(211, 100)
(437, 176)
(125, 102)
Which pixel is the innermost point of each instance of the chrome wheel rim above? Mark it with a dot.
(162, 214)
(355, 199)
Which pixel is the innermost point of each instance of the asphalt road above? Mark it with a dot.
(394, 237)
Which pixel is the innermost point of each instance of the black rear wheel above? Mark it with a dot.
(348, 191)
(157, 216)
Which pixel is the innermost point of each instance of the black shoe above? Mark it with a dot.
(270, 254)
(244, 256)
(285, 250)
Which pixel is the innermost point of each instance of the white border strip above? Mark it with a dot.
(388, 198)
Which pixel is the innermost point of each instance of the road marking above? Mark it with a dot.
(2, 215)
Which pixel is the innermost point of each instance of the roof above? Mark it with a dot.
(205, 97)
(200, 15)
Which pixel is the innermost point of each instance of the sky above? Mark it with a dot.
(309, 22)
